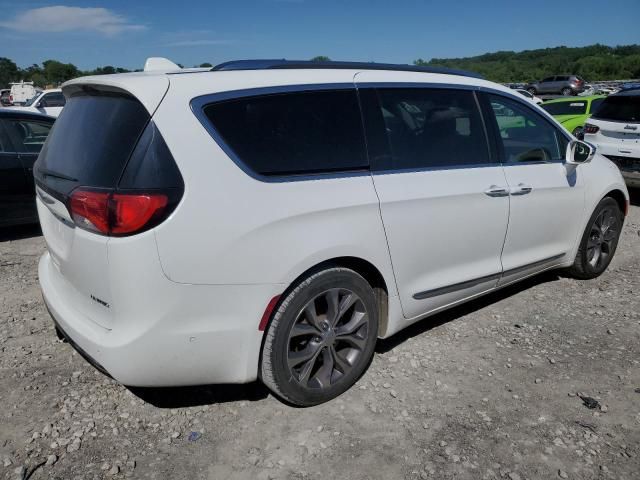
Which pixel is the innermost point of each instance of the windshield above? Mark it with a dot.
(623, 108)
(566, 108)
(30, 102)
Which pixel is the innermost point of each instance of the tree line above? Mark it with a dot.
(594, 62)
(52, 72)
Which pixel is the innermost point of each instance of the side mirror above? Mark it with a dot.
(580, 152)
(41, 104)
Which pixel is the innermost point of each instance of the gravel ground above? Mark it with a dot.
(489, 390)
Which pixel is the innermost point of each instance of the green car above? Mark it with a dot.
(573, 112)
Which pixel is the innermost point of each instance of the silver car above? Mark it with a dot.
(562, 84)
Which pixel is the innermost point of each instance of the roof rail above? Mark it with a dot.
(274, 64)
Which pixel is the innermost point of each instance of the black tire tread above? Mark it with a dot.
(578, 270)
(267, 368)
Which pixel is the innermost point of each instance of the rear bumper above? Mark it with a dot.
(189, 334)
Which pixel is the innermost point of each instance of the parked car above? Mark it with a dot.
(615, 130)
(630, 86)
(531, 97)
(22, 91)
(562, 84)
(225, 226)
(48, 102)
(573, 113)
(5, 97)
(22, 135)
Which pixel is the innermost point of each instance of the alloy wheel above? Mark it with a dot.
(327, 339)
(602, 238)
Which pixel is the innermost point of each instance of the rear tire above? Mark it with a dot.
(321, 338)
(599, 241)
(566, 91)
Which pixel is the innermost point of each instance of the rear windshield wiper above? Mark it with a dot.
(51, 173)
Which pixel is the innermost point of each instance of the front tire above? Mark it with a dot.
(532, 91)
(577, 132)
(321, 338)
(599, 241)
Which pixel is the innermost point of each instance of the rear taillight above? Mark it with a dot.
(591, 129)
(90, 210)
(116, 213)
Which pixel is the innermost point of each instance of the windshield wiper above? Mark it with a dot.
(51, 173)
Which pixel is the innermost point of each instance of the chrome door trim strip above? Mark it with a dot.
(456, 286)
(487, 278)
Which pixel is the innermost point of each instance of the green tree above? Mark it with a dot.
(8, 72)
(321, 58)
(206, 65)
(594, 62)
(57, 72)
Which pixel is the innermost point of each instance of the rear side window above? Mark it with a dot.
(623, 108)
(595, 104)
(432, 128)
(91, 141)
(293, 133)
(566, 108)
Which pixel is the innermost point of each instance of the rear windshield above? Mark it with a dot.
(621, 108)
(91, 141)
(566, 108)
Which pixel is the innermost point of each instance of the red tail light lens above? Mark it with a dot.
(591, 129)
(132, 212)
(116, 214)
(90, 210)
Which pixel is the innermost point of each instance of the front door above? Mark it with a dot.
(51, 104)
(443, 203)
(547, 198)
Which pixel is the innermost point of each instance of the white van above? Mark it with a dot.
(272, 219)
(22, 91)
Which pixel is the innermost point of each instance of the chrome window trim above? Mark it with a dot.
(197, 105)
(487, 278)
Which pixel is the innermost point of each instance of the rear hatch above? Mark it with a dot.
(103, 146)
(618, 121)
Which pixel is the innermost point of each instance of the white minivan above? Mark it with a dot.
(271, 219)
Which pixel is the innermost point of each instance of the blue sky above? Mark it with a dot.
(124, 33)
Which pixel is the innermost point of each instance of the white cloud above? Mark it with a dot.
(66, 19)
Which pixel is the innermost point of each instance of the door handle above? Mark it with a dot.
(495, 191)
(521, 189)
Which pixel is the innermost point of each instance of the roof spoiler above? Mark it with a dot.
(160, 64)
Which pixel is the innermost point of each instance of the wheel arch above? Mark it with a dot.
(362, 267)
(620, 199)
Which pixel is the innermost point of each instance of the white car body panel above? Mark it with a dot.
(180, 304)
(544, 223)
(51, 111)
(618, 139)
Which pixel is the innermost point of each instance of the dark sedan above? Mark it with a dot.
(22, 135)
